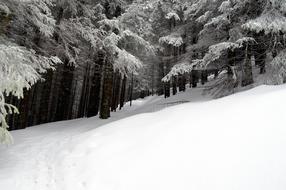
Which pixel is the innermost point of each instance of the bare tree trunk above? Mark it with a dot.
(107, 90)
(194, 78)
(204, 77)
(116, 90)
(260, 57)
(123, 91)
(93, 104)
(131, 89)
(64, 93)
(182, 82)
(174, 82)
(247, 76)
(167, 87)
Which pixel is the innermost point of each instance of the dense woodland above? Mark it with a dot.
(67, 59)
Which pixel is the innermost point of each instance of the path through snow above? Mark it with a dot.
(237, 143)
(31, 162)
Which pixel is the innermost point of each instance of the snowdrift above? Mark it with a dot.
(234, 143)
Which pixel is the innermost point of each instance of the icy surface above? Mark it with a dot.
(234, 143)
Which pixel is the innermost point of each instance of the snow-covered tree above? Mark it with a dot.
(228, 34)
(113, 49)
(20, 69)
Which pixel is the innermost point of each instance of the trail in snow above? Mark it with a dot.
(30, 163)
(237, 142)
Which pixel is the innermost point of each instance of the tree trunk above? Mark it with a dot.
(93, 104)
(116, 90)
(182, 82)
(174, 82)
(167, 87)
(123, 91)
(247, 76)
(64, 93)
(204, 77)
(131, 89)
(107, 90)
(194, 78)
(260, 57)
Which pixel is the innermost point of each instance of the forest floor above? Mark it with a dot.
(184, 142)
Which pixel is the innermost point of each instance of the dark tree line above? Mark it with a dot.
(88, 87)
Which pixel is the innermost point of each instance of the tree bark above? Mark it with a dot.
(167, 87)
(247, 76)
(131, 89)
(93, 104)
(174, 82)
(107, 90)
(194, 78)
(123, 91)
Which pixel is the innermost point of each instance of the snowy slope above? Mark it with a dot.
(234, 143)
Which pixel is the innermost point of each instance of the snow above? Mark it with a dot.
(173, 15)
(173, 40)
(237, 143)
(271, 22)
(20, 69)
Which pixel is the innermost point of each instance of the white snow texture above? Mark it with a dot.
(234, 143)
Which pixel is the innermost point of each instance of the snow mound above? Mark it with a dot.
(234, 143)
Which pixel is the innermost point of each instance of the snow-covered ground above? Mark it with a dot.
(234, 143)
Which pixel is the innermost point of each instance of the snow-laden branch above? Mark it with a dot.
(214, 53)
(204, 17)
(173, 15)
(126, 62)
(137, 42)
(179, 69)
(176, 41)
(271, 22)
(20, 68)
(38, 13)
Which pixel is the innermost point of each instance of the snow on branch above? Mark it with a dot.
(216, 51)
(109, 24)
(218, 21)
(244, 40)
(39, 14)
(88, 32)
(111, 41)
(5, 109)
(225, 7)
(137, 41)
(173, 15)
(272, 22)
(194, 8)
(126, 62)
(173, 40)
(204, 17)
(179, 69)
(20, 68)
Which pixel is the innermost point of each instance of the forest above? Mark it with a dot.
(68, 59)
